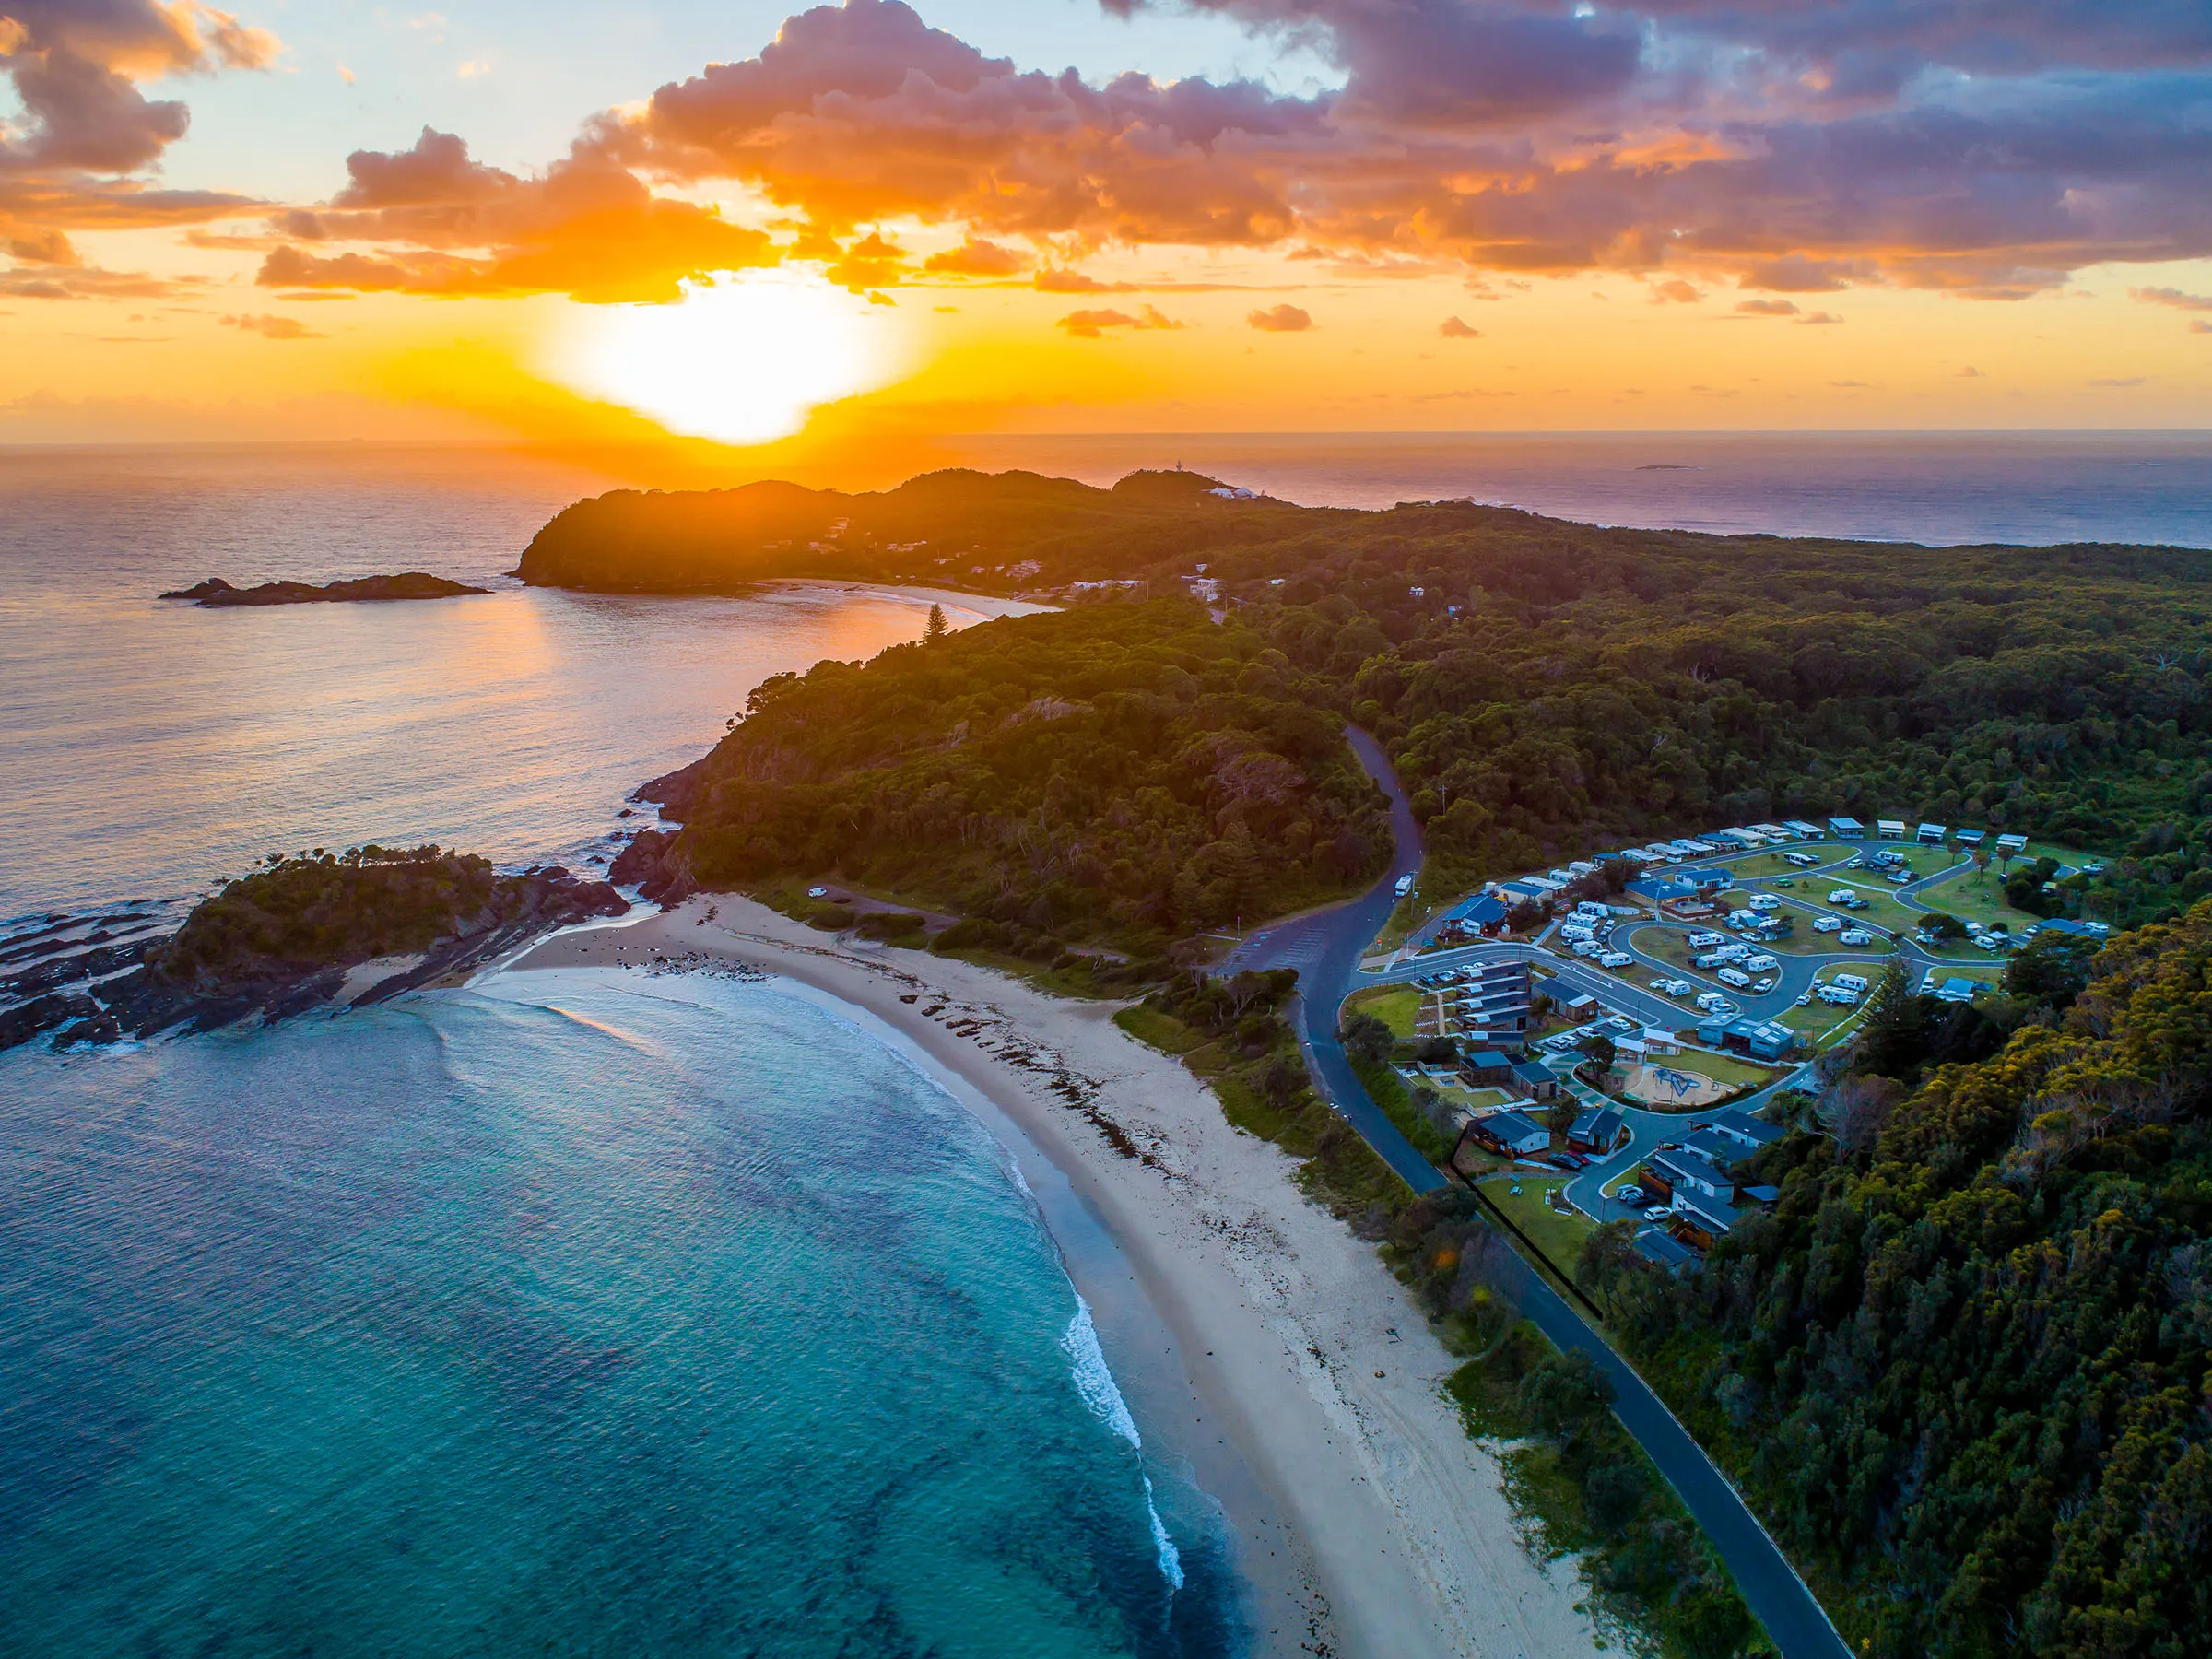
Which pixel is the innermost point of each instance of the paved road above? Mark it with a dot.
(1326, 947)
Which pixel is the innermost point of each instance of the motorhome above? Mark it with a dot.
(1712, 1002)
(1855, 936)
(1842, 896)
(1840, 997)
(1853, 983)
(1734, 976)
(1765, 902)
(1705, 941)
(1405, 885)
(1762, 963)
(1803, 860)
(1614, 958)
(1828, 924)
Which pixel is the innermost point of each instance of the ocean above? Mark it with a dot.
(600, 1312)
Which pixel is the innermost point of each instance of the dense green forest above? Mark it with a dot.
(1125, 774)
(1962, 1365)
(1547, 687)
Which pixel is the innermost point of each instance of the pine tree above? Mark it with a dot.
(939, 627)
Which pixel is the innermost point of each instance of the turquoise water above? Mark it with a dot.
(584, 1314)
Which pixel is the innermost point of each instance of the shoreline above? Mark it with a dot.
(1383, 1524)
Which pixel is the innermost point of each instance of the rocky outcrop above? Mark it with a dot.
(88, 997)
(216, 593)
(652, 865)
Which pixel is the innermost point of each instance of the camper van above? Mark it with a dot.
(1765, 902)
(1852, 982)
(1840, 997)
(1405, 885)
(1705, 941)
(1855, 936)
(1761, 963)
(1712, 1002)
(1734, 976)
(1828, 924)
(1842, 896)
(1803, 860)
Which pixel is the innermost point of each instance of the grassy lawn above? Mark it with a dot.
(1979, 895)
(1816, 1022)
(1882, 908)
(1754, 867)
(1560, 1236)
(1722, 1069)
(1474, 1098)
(1394, 1006)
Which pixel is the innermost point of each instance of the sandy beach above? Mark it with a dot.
(1391, 1537)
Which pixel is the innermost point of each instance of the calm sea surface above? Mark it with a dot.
(593, 1314)
(1942, 489)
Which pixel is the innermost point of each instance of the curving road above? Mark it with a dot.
(1326, 947)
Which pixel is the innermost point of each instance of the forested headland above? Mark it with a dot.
(1121, 775)
(1547, 688)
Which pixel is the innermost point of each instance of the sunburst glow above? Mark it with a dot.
(742, 360)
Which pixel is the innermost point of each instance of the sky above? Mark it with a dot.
(738, 230)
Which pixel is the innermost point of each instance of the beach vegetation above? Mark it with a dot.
(1234, 1036)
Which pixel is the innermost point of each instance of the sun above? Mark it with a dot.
(742, 360)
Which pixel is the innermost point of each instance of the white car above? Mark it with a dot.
(1764, 984)
(1658, 1212)
(1806, 1001)
(1629, 1195)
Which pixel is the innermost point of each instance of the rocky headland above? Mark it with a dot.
(215, 593)
(299, 934)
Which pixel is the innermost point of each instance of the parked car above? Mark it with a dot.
(1658, 1212)
(1629, 1195)
(1806, 1001)
(1764, 984)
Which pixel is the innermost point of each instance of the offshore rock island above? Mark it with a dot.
(215, 593)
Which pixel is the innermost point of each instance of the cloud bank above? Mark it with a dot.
(1783, 146)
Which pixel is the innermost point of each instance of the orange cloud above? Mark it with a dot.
(586, 227)
(1281, 319)
(1093, 324)
(271, 327)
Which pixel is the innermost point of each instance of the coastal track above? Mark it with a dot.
(1326, 947)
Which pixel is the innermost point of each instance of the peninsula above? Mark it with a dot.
(215, 593)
